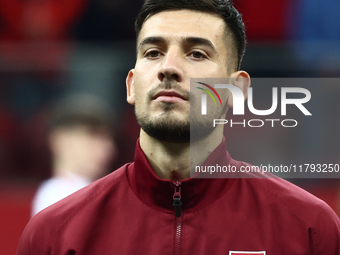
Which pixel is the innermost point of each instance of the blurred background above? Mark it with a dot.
(50, 49)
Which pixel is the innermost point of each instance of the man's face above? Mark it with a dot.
(174, 46)
(88, 151)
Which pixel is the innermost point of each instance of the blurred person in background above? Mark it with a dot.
(82, 147)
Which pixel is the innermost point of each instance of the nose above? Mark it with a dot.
(172, 67)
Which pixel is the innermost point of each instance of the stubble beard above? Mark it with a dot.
(168, 128)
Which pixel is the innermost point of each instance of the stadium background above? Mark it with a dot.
(50, 48)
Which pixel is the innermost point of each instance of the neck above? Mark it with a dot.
(67, 169)
(173, 161)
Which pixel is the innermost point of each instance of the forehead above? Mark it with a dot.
(184, 23)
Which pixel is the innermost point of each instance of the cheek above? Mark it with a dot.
(140, 100)
(139, 94)
(140, 88)
(224, 94)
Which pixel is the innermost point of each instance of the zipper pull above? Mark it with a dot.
(177, 198)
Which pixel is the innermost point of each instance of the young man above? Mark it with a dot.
(151, 206)
(82, 147)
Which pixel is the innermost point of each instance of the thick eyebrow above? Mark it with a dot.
(151, 40)
(189, 40)
(200, 41)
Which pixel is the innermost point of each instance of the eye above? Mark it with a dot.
(152, 54)
(197, 55)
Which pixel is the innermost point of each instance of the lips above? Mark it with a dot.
(169, 97)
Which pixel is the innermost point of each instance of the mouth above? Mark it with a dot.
(169, 96)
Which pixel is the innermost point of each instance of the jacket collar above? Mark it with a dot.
(196, 193)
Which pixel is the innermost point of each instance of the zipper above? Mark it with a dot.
(177, 203)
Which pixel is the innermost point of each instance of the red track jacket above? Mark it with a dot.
(132, 211)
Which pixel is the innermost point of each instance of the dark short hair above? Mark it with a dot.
(223, 8)
(81, 110)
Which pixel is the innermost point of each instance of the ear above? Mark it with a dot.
(241, 79)
(130, 88)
